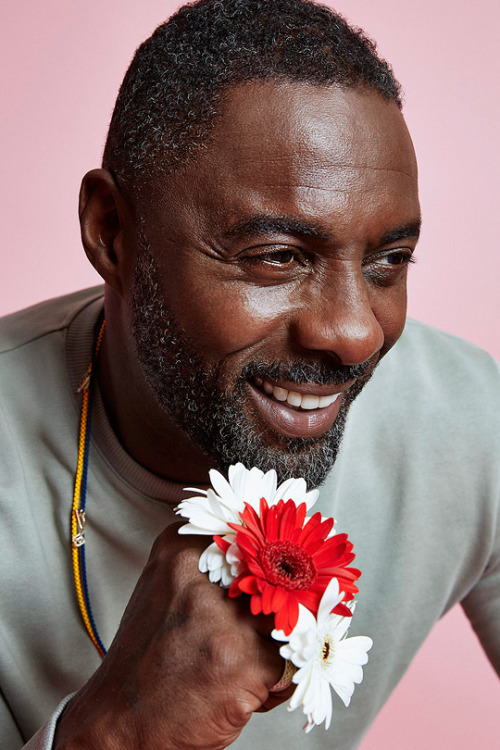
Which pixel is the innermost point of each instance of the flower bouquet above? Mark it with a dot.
(291, 565)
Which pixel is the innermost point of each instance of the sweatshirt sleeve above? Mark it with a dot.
(482, 604)
(44, 738)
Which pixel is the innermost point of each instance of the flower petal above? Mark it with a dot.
(221, 486)
(213, 561)
(191, 528)
(331, 597)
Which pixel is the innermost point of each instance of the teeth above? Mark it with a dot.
(327, 400)
(293, 398)
(280, 393)
(309, 402)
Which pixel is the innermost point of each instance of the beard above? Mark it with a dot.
(188, 389)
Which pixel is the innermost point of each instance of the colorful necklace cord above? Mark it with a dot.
(87, 388)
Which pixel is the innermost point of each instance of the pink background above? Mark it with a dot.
(61, 63)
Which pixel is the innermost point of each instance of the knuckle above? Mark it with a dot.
(182, 561)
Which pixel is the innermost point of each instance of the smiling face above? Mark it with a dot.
(271, 273)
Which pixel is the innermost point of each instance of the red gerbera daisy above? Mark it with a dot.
(286, 563)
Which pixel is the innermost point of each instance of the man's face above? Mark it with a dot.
(271, 274)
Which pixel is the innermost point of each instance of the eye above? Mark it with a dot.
(388, 268)
(285, 257)
(396, 258)
(276, 259)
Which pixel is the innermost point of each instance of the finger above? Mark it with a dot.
(276, 699)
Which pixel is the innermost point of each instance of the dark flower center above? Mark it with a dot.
(328, 652)
(288, 565)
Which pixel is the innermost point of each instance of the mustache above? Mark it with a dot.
(301, 371)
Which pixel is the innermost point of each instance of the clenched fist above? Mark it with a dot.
(187, 667)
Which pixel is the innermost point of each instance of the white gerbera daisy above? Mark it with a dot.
(221, 566)
(325, 658)
(211, 511)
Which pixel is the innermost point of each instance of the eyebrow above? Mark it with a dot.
(412, 229)
(274, 225)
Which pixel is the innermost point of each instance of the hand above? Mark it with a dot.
(187, 667)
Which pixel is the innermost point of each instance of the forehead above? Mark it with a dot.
(281, 148)
(273, 122)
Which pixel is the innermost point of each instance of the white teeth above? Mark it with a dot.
(327, 400)
(294, 399)
(307, 402)
(280, 393)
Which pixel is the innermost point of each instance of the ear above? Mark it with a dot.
(104, 214)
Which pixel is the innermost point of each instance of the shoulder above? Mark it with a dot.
(440, 367)
(438, 350)
(33, 323)
(433, 397)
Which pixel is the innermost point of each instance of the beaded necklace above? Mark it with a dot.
(87, 387)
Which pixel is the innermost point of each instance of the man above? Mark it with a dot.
(253, 223)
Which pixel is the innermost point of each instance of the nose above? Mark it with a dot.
(340, 321)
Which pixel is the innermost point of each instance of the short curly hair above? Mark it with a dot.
(173, 89)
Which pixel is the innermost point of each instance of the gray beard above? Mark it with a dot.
(187, 388)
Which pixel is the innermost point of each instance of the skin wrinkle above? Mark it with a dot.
(174, 620)
(261, 166)
(275, 225)
(263, 225)
(349, 189)
(339, 166)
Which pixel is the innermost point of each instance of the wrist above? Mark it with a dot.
(89, 722)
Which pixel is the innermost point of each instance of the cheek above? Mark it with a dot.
(225, 318)
(389, 309)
